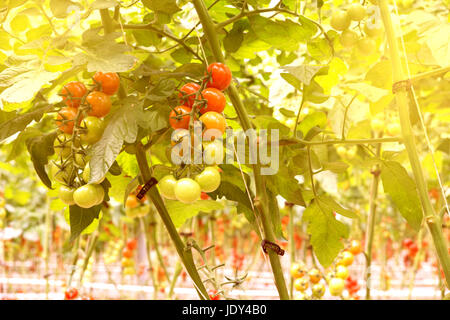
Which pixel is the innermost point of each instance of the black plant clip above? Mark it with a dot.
(267, 244)
(150, 183)
(402, 85)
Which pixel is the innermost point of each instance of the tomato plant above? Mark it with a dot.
(220, 135)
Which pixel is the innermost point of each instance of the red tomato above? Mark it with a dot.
(188, 89)
(66, 119)
(220, 76)
(407, 242)
(213, 295)
(72, 93)
(100, 104)
(216, 100)
(71, 294)
(127, 253)
(131, 244)
(204, 196)
(109, 82)
(180, 117)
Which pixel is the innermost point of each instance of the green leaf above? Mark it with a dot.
(304, 73)
(372, 93)
(62, 8)
(5, 41)
(270, 123)
(104, 4)
(336, 167)
(161, 91)
(330, 204)
(19, 23)
(40, 148)
(181, 55)
(325, 231)
(180, 212)
(23, 81)
(403, 191)
(165, 6)
(122, 127)
(11, 124)
(81, 218)
(230, 192)
(103, 53)
(316, 119)
(233, 40)
(287, 113)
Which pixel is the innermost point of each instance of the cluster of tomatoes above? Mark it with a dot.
(302, 279)
(341, 20)
(338, 278)
(127, 262)
(81, 125)
(207, 103)
(379, 126)
(112, 250)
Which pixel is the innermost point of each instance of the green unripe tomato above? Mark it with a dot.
(377, 125)
(318, 290)
(393, 129)
(65, 193)
(86, 196)
(87, 175)
(367, 46)
(167, 187)
(101, 193)
(356, 12)
(342, 272)
(348, 38)
(2, 213)
(341, 151)
(374, 30)
(187, 190)
(94, 130)
(81, 160)
(340, 20)
(213, 153)
(336, 286)
(352, 151)
(299, 295)
(209, 179)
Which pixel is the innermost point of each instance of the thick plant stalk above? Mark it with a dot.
(47, 247)
(291, 247)
(184, 253)
(431, 218)
(209, 29)
(371, 224)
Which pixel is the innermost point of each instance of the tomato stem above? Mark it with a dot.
(209, 28)
(431, 218)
